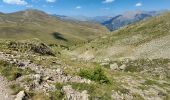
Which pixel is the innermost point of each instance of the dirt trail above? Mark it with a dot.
(5, 93)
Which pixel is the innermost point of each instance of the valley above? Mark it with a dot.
(43, 57)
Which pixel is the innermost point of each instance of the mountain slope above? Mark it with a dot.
(37, 24)
(128, 18)
(148, 39)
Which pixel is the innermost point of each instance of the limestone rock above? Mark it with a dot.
(122, 67)
(114, 66)
(20, 95)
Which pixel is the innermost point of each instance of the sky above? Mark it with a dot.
(84, 7)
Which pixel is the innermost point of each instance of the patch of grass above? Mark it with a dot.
(16, 88)
(95, 91)
(27, 80)
(83, 86)
(124, 91)
(11, 72)
(59, 86)
(142, 87)
(58, 93)
(97, 74)
(40, 96)
(137, 97)
(149, 82)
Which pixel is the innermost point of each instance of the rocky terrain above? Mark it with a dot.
(128, 64)
(38, 75)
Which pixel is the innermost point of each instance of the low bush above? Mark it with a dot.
(97, 74)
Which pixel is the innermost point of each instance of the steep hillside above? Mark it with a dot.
(128, 18)
(146, 39)
(37, 24)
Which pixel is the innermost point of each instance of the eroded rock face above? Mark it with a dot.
(72, 94)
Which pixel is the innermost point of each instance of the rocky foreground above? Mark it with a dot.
(32, 71)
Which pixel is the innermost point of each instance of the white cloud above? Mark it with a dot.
(51, 1)
(108, 1)
(78, 7)
(138, 4)
(15, 2)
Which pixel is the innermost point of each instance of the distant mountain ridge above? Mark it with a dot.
(33, 23)
(115, 22)
(128, 18)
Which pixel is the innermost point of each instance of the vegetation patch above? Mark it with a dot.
(143, 64)
(16, 88)
(137, 97)
(84, 86)
(11, 72)
(96, 74)
(58, 93)
(149, 82)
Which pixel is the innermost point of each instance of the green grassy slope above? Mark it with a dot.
(36, 24)
(144, 39)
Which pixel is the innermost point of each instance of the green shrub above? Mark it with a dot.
(96, 74)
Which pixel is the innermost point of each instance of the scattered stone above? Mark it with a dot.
(20, 95)
(72, 94)
(104, 64)
(114, 66)
(122, 67)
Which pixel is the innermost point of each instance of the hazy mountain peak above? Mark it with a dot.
(1, 13)
(31, 13)
(128, 18)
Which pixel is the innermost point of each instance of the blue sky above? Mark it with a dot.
(84, 7)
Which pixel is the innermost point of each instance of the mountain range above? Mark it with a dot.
(128, 18)
(33, 23)
(115, 22)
